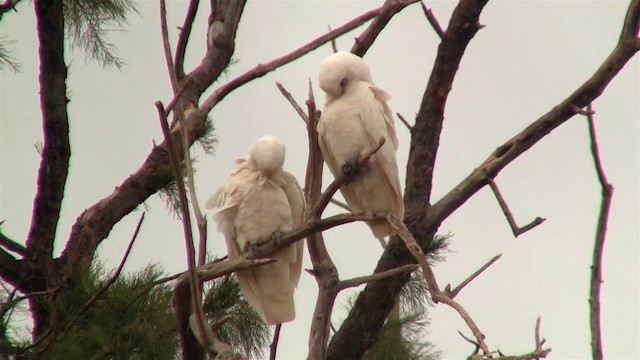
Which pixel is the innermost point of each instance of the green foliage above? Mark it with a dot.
(244, 329)
(124, 323)
(88, 21)
(402, 340)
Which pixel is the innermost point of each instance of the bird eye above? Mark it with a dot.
(343, 82)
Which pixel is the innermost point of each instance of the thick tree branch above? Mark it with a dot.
(375, 302)
(10, 268)
(54, 164)
(94, 225)
(362, 326)
(597, 352)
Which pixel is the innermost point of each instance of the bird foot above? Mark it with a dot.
(350, 169)
(276, 237)
(251, 249)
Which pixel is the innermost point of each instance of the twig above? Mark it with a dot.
(432, 284)
(355, 282)
(183, 38)
(342, 179)
(507, 213)
(11, 245)
(273, 348)
(404, 121)
(598, 249)
(186, 224)
(310, 228)
(432, 20)
(334, 47)
(538, 353)
(201, 222)
(364, 41)
(453, 293)
(263, 69)
(292, 101)
(7, 5)
(340, 204)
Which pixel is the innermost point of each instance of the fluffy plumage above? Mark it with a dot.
(354, 117)
(258, 199)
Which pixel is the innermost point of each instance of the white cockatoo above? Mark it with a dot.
(354, 118)
(260, 201)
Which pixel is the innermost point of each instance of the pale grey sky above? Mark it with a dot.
(530, 56)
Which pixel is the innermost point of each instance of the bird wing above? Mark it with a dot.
(377, 123)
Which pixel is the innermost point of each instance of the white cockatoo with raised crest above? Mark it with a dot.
(260, 201)
(354, 118)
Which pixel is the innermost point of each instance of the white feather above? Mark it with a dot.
(354, 118)
(258, 199)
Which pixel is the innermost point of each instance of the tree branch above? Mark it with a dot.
(507, 213)
(263, 69)
(7, 5)
(292, 101)
(369, 311)
(453, 293)
(95, 223)
(355, 282)
(432, 20)
(364, 322)
(370, 34)
(597, 352)
(11, 245)
(183, 38)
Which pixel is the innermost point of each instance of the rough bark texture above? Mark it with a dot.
(54, 163)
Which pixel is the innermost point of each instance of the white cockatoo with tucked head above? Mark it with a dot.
(354, 118)
(260, 201)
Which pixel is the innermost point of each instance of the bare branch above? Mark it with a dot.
(334, 47)
(273, 348)
(11, 245)
(186, 226)
(404, 121)
(292, 101)
(7, 5)
(390, 7)
(183, 38)
(355, 282)
(364, 322)
(507, 213)
(598, 249)
(340, 204)
(432, 20)
(453, 293)
(263, 69)
(324, 270)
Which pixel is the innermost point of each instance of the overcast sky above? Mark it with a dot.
(530, 56)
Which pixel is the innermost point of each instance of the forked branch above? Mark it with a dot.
(507, 213)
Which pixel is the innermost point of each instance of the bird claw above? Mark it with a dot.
(251, 249)
(276, 237)
(350, 169)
